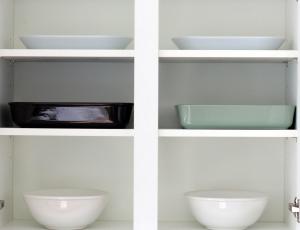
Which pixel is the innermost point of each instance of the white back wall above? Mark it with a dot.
(236, 163)
(6, 91)
(6, 179)
(73, 17)
(75, 162)
(292, 177)
(73, 81)
(6, 23)
(292, 23)
(222, 83)
(222, 18)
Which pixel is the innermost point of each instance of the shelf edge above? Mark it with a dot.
(67, 132)
(228, 133)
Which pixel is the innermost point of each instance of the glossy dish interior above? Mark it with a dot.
(71, 115)
(236, 116)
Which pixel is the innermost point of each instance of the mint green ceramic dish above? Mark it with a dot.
(236, 116)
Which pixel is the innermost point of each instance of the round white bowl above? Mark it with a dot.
(66, 209)
(219, 210)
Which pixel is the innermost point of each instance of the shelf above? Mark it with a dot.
(126, 225)
(105, 225)
(229, 55)
(66, 132)
(165, 55)
(36, 54)
(226, 133)
(130, 132)
(196, 226)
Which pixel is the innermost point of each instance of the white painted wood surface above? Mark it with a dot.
(31, 54)
(165, 55)
(162, 133)
(229, 55)
(67, 132)
(146, 115)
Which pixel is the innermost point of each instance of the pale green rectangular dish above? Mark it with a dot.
(236, 116)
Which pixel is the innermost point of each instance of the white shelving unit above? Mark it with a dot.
(147, 167)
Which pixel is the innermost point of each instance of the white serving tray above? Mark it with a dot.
(228, 43)
(75, 42)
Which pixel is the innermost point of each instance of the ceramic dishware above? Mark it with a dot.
(236, 116)
(228, 43)
(70, 115)
(66, 209)
(226, 209)
(75, 41)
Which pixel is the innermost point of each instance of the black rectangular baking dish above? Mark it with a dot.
(70, 115)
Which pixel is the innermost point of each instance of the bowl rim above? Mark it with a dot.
(237, 105)
(279, 38)
(73, 103)
(45, 194)
(104, 36)
(248, 195)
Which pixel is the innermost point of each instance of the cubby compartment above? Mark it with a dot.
(65, 18)
(50, 81)
(226, 83)
(266, 165)
(228, 18)
(34, 163)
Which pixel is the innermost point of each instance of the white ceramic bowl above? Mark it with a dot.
(75, 42)
(228, 43)
(219, 210)
(66, 209)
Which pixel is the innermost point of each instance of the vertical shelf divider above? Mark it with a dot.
(146, 115)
